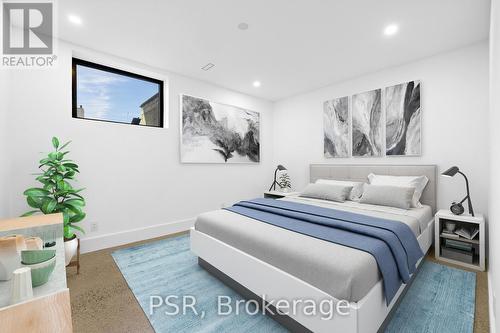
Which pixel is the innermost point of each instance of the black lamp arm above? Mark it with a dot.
(469, 202)
(274, 182)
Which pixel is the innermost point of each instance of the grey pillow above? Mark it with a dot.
(326, 192)
(357, 187)
(392, 196)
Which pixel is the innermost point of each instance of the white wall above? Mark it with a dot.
(454, 100)
(4, 148)
(132, 175)
(494, 208)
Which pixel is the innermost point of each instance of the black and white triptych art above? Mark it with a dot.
(336, 124)
(367, 135)
(403, 119)
(218, 133)
(376, 123)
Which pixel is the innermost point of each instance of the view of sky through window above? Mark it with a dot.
(113, 97)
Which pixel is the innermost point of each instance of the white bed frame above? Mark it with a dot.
(261, 278)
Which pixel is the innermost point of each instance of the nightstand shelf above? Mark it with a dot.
(453, 255)
(461, 239)
(278, 194)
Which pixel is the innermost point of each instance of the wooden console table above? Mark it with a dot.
(50, 309)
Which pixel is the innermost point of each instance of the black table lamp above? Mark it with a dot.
(273, 185)
(452, 172)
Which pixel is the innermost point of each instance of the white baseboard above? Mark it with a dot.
(133, 235)
(490, 305)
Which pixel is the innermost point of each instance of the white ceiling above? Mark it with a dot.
(291, 46)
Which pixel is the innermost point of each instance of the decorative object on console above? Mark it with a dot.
(285, 182)
(367, 131)
(10, 255)
(21, 289)
(41, 272)
(30, 257)
(336, 126)
(273, 185)
(403, 119)
(34, 243)
(57, 195)
(218, 133)
(455, 207)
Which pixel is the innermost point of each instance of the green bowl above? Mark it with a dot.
(30, 257)
(40, 273)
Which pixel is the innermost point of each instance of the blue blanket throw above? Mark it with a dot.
(392, 243)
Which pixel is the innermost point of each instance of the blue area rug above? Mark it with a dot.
(441, 298)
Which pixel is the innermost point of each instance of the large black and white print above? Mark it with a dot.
(367, 127)
(336, 124)
(218, 133)
(403, 119)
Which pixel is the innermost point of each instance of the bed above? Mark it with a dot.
(262, 260)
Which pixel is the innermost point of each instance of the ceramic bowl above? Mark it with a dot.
(30, 257)
(40, 273)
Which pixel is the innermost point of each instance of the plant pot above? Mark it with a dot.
(70, 247)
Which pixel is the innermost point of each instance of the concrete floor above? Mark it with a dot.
(102, 302)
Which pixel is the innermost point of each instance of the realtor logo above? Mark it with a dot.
(28, 29)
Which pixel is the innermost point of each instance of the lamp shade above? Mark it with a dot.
(451, 172)
(280, 167)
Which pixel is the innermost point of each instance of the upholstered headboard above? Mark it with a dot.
(359, 172)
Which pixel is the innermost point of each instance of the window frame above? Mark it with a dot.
(74, 93)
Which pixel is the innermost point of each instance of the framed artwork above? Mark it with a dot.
(367, 126)
(336, 127)
(403, 124)
(218, 133)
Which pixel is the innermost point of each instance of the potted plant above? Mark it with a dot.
(57, 195)
(285, 182)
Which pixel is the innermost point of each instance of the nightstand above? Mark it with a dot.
(278, 194)
(449, 247)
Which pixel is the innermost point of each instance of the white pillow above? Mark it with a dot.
(417, 182)
(329, 192)
(392, 196)
(357, 187)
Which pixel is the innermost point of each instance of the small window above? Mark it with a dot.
(108, 94)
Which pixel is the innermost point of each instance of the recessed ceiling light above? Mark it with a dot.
(391, 29)
(75, 19)
(256, 84)
(243, 26)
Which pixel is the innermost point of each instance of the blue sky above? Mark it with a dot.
(109, 96)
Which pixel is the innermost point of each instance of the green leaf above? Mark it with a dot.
(76, 210)
(69, 174)
(53, 156)
(75, 195)
(35, 202)
(65, 145)
(31, 212)
(77, 228)
(49, 205)
(67, 232)
(36, 192)
(71, 165)
(65, 217)
(75, 202)
(55, 142)
(77, 218)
